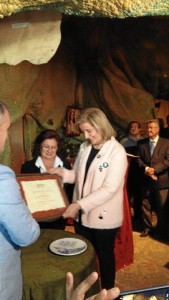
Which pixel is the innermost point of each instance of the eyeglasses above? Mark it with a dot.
(134, 127)
(46, 147)
(151, 127)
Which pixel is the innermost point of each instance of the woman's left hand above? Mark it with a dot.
(72, 210)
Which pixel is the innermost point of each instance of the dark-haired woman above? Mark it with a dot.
(45, 156)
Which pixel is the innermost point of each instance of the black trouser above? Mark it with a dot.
(154, 200)
(103, 241)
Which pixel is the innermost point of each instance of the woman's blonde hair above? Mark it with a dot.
(96, 118)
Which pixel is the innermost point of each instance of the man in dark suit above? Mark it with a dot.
(153, 162)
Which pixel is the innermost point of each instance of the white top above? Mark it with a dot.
(39, 163)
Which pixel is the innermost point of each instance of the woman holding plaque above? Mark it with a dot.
(99, 176)
(45, 156)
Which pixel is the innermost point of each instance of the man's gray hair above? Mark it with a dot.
(155, 121)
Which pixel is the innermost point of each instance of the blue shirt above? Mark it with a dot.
(17, 228)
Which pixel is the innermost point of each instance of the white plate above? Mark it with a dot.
(68, 246)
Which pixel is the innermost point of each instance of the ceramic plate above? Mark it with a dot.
(68, 246)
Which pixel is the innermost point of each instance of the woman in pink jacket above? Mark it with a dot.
(99, 176)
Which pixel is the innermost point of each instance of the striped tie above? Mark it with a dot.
(152, 146)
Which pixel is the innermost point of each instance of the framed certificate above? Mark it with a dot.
(44, 195)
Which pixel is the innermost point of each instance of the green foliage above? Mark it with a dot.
(70, 145)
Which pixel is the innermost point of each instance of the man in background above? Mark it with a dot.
(132, 182)
(130, 141)
(153, 163)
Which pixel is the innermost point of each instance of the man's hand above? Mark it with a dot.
(84, 286)
(150, 171)
(154, 177)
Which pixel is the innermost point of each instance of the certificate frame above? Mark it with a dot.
(50, 214)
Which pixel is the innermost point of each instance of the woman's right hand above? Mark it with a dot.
(57, 171)
(72, 210)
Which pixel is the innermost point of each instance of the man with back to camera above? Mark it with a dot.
(153, 162)
(17, 226)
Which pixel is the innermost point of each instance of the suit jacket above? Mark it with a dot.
(29, 167)
(17, 228)
(159, 160)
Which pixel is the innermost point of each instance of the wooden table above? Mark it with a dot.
(44, 272)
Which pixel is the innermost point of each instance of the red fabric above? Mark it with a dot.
(124, 248)
(69, 222)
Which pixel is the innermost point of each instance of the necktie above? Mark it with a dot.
(152, 146)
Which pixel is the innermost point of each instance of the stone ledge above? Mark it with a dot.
(93, 8)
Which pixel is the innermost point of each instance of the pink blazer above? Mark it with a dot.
(101, 197)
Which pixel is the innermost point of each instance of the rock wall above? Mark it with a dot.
(102, 8)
